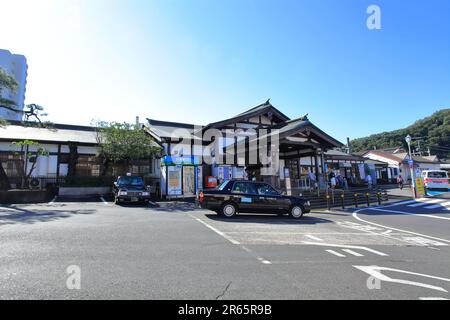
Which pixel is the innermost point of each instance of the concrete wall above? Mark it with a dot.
(81, 192)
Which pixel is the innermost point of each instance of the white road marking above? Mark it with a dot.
(337, 254)
(425, 202)
(346, 247)
(433, 299)
(53, 201)
(220, 233)
(387, 232)
(412, 214)
(313, 237)
(443, 205)
(230, 239)
(425, 242)
(403, 203)
(375, 272)
(263, 261)
(356, 254)
(355, 215)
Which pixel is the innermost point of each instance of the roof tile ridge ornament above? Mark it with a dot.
(303, 118)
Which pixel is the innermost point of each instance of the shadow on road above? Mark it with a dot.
(21, 215)
(268, 219)
(173, 207)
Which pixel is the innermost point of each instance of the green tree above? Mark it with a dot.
(29, 152)
(32, 113)
(433, 133)
(7, 82)
(124, 142)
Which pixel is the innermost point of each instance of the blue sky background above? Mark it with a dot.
(201, 61)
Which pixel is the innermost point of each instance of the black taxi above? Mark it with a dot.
(235, 196)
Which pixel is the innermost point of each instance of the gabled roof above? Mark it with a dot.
(259, 110)
(165, 129)
(84, 135)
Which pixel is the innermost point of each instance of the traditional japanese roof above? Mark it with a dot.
(56, 134)
(262, 109)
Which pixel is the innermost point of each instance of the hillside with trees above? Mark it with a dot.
(431, 133)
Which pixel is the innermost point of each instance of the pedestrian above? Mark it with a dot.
(400, 182)
(369, 181)
(333, 182)
(312, 180)
(345, 183)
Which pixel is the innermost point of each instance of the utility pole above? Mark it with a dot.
(408, 140)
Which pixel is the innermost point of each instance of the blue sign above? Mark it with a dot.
(180, 161)
(411, 163)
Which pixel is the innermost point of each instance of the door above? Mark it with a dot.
(246, 197)
(188, 181)
(272, 201)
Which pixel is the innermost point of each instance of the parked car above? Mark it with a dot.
(234, 196)
(130, 189)
(435, 179)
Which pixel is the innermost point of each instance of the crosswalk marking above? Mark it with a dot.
(335, 253)
(356, 254)
(426, 202)
(403, 202)
(443, 205)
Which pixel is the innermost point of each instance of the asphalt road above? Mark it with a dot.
(175, 251)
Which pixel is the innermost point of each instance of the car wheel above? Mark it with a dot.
(297, 212)
(229, 210)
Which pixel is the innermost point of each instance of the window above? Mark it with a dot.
(437, 175)
(244, 188)
(266, 190)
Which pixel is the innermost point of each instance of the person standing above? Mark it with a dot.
(369, 181)
(400, 182)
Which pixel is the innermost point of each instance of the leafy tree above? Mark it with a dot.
(124, 142)
(27, 156)
(433, 131)
(31, 112)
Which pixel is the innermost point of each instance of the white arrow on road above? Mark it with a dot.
(375, 272)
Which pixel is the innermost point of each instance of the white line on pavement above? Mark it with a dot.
(53, 201)
(356, 254)
(313, 237)
(346, 247)
(425, 202)
(355, 215)
(220, 233)
(335, 253)
(433, 298)
(412, 214)
(375, 272)
(403, 202)
(443, 205)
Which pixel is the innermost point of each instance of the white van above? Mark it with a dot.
(435, 179)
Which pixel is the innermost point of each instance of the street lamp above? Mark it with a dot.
(408, 140)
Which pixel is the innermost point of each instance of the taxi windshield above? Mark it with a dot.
(130, 181)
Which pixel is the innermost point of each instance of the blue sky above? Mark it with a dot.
(201, 61)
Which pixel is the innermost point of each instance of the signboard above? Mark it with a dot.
(180, 161)
(411, 163)
(420, 187)
(174, 181)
